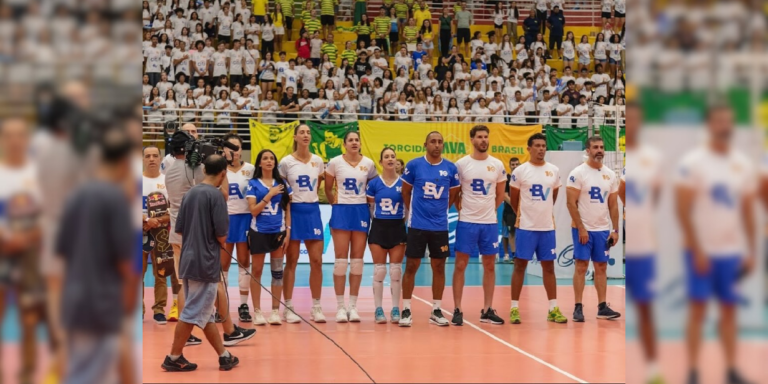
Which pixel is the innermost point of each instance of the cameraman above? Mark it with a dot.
(168, 159)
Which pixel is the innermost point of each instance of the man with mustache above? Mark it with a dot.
(592, 202)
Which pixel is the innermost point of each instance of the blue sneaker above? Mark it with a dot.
(395, 315)
(379, 316)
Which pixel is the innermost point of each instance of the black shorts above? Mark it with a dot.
(288, 22)
(387, 233)
(619, 15)
(394, 37)
(261, 19)
(419, 240)
(462, 36)
(498, 26)
(327, 20)
(509, 222)
(383, 45)
(261, 243)
(605, 15)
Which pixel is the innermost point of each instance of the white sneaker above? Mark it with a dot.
(317, 315)
(274, 318)
(258, 318)
(290, 317)
(354, 317)
(341, 315)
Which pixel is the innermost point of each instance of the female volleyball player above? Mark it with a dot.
(268, 197)
(387, 234)
(349, 220)
(304, 172)
(238, 174)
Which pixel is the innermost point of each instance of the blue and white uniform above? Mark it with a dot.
(272, 218)
(388, 224)
(350, 212)
(535, 224)
(304, 180)
(478, 227)
(594, 186)
(237, 205)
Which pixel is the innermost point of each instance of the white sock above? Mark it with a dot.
(225, 354)
(175, 297)
(406, 304)
(353, 301)
(652, 369)
(243, 299)
(552, 304)
(174, 357)
(339, 301)
(514, 304)
(316, 302)
(436, 304)
(288, 303)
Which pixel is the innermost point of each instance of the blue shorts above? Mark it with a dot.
(306, 223)
(198, 303)
(351, 217)
(641, 272)
(471, 237)
(612, 61)
(720, 280)
(542, 243)
(238, 228)
(594, 249)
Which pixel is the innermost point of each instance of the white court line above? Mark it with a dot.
(620, 286)
(572, 377)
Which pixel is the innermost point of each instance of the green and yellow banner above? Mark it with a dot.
(278, 138)
(328, 139)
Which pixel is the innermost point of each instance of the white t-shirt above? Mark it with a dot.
(219, 63)
(238, 182)
(478, 180)
(351, 181)
(309, 82)
(595, 186)
(645, 165)
(721, 182)
(536, 185)
(154, 57)
(302, 177)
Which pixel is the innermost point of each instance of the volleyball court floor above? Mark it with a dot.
(534, 351)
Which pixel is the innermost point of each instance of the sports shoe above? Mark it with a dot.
(514, 316)
(258, 317)
(317, 315)
(274, 318)
(180, 365)
(354, 317)
(733, 377)
(159, 318)
(657, 379)
(458, 317)
(490, 317)
(557, 317)
(341, 315)
(238, 336)
(192, 340)
(228, 362)
(173, 314)
(379, 317)
(607, 313)
(290, 317)
(394, 316)
(242, 313)
(578, 314)
(217, 318)
(405, 320)
(437, 318)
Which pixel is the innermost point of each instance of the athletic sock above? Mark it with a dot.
(339, 301)
(652, 370)
(175, 297)
(515, 304)
(225, 354)
(243, 299)
(174, 357)
(288, 303)
(436, 304)
(406, 304)
(353, 301)
(552, 304)
(316, 302)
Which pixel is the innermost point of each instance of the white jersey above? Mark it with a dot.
(537, 185)
(149, 185)
(351, 181)
(238, 182)
(595, 186)
(304, 178)
(721, 182)
(478, 179)
(645, 177)
(18, 185)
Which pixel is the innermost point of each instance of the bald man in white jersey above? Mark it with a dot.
(482, 178)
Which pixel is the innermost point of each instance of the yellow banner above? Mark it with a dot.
(407, 139)
(278, 138)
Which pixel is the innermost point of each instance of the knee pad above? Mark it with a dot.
(379, 272)
(356, 267)
(395, 272)
(243, 280)
(340, 267)
(276, 266)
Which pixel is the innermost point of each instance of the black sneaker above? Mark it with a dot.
(607, 313)
(693, 377)
(244, 313)
(180, 365)
(458, 318)
(490, 317)
(227, 363)
(217, 318)
(735, 378)
(192, 340)
(578, 314)
(160, 318)
(238, 336)
(405, 318)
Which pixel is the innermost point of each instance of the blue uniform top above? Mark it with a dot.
(272, 217)
(388, 198)
(431, 190)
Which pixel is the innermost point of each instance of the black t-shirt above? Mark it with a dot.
(440, 72)
(288, 100)
(508, 212)
(361, 67)
(202, 218)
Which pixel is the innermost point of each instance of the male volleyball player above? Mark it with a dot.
(533, 191)
(592, 203)
(509, 218)
(482, 178)
(430, 186)
(715, 190)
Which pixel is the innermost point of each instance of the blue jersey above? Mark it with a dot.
(388, 198)
(431, 189)
(272, 217)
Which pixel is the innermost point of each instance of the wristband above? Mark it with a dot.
(615, 231)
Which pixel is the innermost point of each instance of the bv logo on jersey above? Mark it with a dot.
(432, 192)
(271, 209)
(303, 181)
(537, 191)
(387, 207)
(635, 194)
(573, 179)
(722, 196)
(596, 194)
(351, 184)
(234, 190)
(479, 186)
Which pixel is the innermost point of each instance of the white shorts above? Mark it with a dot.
(279, 30)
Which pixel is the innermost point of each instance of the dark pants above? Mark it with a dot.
(154, 78)
(529, 39)
(382, 43)
(542, 17)
(267, 46)
(365, 38)
(236, 79)
(555, 40)
(445, 42)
